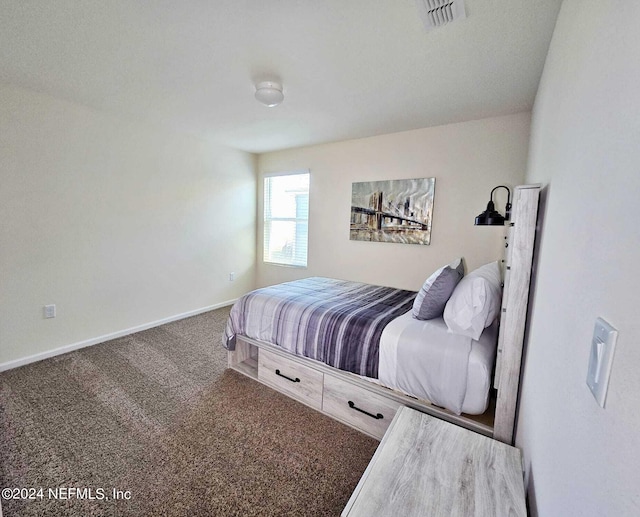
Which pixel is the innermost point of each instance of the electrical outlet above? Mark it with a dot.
(232, 277)
(50, 311)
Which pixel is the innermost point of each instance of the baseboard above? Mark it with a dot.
(101, 339)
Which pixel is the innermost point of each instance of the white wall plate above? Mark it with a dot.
(601, 359)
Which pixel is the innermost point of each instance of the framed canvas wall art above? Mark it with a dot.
(392, 211)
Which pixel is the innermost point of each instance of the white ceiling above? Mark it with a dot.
(350, 68)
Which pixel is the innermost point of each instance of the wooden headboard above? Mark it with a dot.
(520, 241)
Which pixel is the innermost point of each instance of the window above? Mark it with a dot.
(286, 218)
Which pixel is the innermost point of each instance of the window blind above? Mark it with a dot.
(286, 219)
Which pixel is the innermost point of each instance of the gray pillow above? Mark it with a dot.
(436, 291)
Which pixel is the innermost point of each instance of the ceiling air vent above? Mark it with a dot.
(435, 13)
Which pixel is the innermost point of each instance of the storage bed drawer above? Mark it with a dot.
(291, 377)
(358, 406)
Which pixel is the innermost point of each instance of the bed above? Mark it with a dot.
(370, 331)
(357, 353)
(317, 336)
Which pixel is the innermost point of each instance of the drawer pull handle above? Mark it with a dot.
(288, 378)
(353, 406)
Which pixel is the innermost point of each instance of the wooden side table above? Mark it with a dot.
(428, 467)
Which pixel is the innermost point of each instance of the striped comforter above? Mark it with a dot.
(333, 321)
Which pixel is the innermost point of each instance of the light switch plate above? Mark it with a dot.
(601, 359)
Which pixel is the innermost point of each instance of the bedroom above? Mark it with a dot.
(73, 174)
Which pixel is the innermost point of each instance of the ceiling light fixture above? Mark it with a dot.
(269, 93)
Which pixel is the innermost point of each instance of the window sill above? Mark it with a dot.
(279, 264)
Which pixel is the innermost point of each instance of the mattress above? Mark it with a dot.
(423, 359)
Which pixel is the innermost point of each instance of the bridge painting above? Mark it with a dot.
(392, 211)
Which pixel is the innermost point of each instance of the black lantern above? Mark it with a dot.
(491, 217)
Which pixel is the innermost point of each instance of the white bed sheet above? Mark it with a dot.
(423, 359)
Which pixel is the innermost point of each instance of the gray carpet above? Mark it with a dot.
(156, 416)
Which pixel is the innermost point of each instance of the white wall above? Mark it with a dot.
(117, 223)
(582, 460)
(467, 159)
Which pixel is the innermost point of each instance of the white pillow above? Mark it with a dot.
(475, 302)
